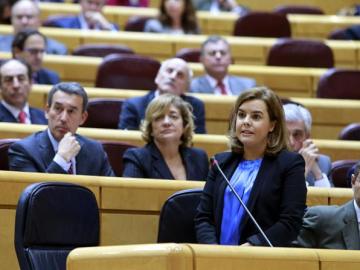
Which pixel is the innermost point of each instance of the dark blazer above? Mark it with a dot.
(72, 22)
(46, 76)
(147, 162)
(133, 111)
(35, 154)
(36, 116)
(330, 226)
(277, 200)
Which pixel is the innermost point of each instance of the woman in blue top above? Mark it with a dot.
(269, 178)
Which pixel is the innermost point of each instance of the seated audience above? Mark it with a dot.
(168, 130)
(25, 14)
(90, 17)
(58, 149)
(333, 227)
(317, 166)
(15, 86)
(216, 6)
(216, 59)
(265, 174)
(30, 46)
(128, 3)
(176, 17)
(173, 77)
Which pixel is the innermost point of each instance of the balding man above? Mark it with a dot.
(25, 14)
(173, 77)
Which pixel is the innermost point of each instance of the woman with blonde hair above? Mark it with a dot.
(267, 176)
(168, 129)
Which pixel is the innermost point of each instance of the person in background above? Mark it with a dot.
(5, 11)
(128, 3)
(176, 17)
(267, 176)
(333, 227)
(91, 17)
(216, 6)
(58, 149)
(30, 46)
(216, 59)
(15, 86)
(173, 77)
(25, 14)
(167, 129)
(317, 166)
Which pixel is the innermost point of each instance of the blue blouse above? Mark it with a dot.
(233, 213)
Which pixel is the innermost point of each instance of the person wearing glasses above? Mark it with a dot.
(333, 227)
(30, 46)
(216, 59)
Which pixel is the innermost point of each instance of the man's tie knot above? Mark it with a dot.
(22, 117)
(221, 86)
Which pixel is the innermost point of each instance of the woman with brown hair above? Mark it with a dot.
(168, 129)
(267, 176)
(176, 17)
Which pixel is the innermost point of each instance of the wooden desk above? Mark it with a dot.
(329, 115)
(129, 208)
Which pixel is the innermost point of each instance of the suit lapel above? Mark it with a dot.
(46, 149)
(263, 173)
(5, 115)
(350, 232)
(205, 84)
(159, 164)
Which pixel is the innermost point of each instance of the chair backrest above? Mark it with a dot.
(339, 172)
(176, 223)
(115, 152)
(351, 132)
(136, 23)
(53, 218)
(339, 83)
(4, 147)
(101, 50)
(189, 54)
(103, 113)
(262, 24)
(298, 9)
(300, 53)
(126, 71)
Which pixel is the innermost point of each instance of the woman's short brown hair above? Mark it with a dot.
(158, 106)
(278, 138)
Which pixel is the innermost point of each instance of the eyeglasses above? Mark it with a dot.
(35, 51)
(214, 52)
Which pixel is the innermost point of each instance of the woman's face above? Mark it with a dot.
(253, 124)
(174, 8)
(169, 126)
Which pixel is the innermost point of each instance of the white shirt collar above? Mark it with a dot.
(357, 210)
(54, 143)
(15, 111)
(213, 83)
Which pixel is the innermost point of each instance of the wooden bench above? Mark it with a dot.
(329, 115)
(305, 26)
(245, 50)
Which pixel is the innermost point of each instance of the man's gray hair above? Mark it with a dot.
(296, 113)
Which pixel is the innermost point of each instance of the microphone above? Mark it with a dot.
(214, 162)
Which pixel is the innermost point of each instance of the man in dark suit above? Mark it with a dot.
(216, 59)
(317, 166)
(25, 14)
(59, 149)
(90, 17)
(333, 227)
(15, 85)
(30, 46)
(173, 77)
